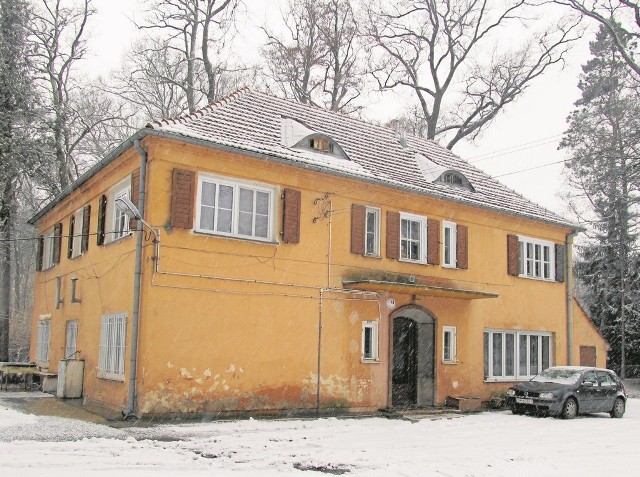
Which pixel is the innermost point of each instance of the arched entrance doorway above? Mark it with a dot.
(413, 358)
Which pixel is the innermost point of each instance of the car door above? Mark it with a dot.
(608, 391)
(588, 393)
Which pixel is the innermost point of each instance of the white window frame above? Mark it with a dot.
(76, 240)
(372, 336)
(449, 244)
(71, 339)
(47, 249)
(236, 185)
(422, 245)
(532, 260)
(518, 373)
(43, 342)
(119, 220)
(449, 355)
(376, 214)
(111, 355)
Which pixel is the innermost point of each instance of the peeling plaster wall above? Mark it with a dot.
(232, 325)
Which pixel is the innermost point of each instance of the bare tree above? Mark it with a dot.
(189, 38)
(621, 18)
(293, 61)
(447, 53)
(318, 61)
(149, 85)
(344, 72)
(59, 33)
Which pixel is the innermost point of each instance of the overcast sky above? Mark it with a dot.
(525, 135)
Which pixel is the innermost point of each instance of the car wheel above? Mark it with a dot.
(570, 409)
(618, 408)
(517, 410)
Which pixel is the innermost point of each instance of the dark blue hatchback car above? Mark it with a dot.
(568, 391)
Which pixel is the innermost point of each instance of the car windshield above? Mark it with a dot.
(558, 375)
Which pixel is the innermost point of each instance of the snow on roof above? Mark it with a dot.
(263, 124)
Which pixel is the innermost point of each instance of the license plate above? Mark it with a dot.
(524, 400)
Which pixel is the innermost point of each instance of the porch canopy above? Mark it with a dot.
(412, 285)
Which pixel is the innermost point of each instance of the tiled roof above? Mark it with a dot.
(252, 122)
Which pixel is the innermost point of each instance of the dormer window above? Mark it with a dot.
(451, 178)
(321, 144)
(456, 179)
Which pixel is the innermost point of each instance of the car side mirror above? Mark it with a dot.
(587, 383)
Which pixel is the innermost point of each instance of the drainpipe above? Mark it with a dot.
(137, 279)
(569, 283)
(319, 353)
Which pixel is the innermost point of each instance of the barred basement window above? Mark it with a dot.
(112, 346)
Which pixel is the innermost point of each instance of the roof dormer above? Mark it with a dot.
(455, 178)
(296, 135)
(434, 172)
(322, 143)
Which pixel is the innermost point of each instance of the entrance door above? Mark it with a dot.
(405, 364)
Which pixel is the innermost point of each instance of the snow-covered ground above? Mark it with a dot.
(486, 444)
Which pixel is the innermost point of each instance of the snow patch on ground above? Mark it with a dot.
(485, 444)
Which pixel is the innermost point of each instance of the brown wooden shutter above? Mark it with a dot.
(393, 235)
(291, 216)
(57, 242)
(462, 246)
(39, 252)
(72, 224)
(560, 252)
(86, 221)
(588, 356)
(433, 242)
(135, 195)
(513, 255)
(358, 224)
(102, 215)
(182, 193)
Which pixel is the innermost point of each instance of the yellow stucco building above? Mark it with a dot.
(294, 259)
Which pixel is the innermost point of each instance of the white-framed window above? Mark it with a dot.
(369, 341)
(44, 341)
(536, 258)
(71, 340)
(372, 232)
(76, 240)
(120, 221)
(413, 233)
(47, 249)
(449, 244)
(449, 344)
(111, 355)
(235, 209)
(516, 355)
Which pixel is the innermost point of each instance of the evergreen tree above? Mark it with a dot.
(15, 153)
(603, 138)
